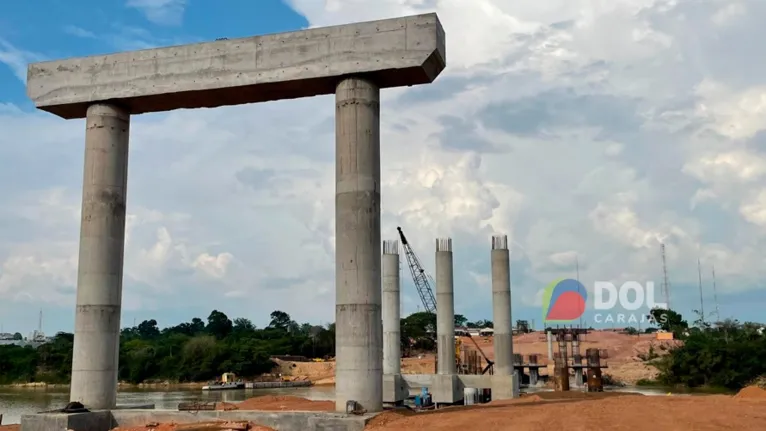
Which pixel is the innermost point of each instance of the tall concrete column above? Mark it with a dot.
(358, 326)
(391, 309)
(501, 305)
(445, 308)
(102, 241)
(501, 317)
(549, 336)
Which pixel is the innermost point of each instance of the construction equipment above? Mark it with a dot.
(486, 359)
(419, 276)
(423, 283)
(522, 326)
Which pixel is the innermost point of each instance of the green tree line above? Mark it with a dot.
(191, 351)
(200, 350)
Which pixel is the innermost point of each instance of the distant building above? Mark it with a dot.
(35, 339)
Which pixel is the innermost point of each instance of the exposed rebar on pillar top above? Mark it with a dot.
(499, 242)
(443, 244)
(391, 246)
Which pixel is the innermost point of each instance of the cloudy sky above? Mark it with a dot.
(587, 130)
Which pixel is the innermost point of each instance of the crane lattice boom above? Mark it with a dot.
(419, 276)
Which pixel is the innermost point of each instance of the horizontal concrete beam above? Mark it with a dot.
(392, 53)
(414, 381)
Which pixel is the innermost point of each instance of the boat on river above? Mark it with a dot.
(228, 381)
(222, 386)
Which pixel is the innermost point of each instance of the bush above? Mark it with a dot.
(729, 356)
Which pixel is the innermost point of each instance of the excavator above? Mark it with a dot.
(423, 283)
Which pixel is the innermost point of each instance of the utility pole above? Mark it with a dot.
(702, 303)
(715, 298)
(665, 283)
(577, 269)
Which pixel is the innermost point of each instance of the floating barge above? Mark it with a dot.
(270, 385)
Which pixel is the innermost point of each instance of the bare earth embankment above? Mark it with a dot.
(626, 356)
(573, 411)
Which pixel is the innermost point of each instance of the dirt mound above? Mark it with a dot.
(223, 406)
(199, 426)
(386, 418)
(588, 411)
(286, 402)
(751, 393)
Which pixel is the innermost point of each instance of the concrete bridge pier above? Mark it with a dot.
(447, 388)
(102, 242)
(503, 386)
(353, 62)
(358, 328)
(394, 387)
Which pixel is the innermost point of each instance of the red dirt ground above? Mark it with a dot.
(585, 412)
(199, 426)
(285, 402)
(751, 393)
(625, 356)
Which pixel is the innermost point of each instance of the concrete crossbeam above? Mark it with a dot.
(352, 61)
(391, 52)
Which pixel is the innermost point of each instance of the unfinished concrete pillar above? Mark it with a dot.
(102, 241)
(502, 386)
(549, 335)
(358, 330)
(445, 308)
(534, 370)
(391, 309)
(577, 361)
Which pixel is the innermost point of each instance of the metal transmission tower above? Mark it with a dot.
(665, 283)
(715, 298)
(419, 276)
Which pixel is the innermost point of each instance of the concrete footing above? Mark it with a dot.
(105, 420)
(447, 389)
(395, 390)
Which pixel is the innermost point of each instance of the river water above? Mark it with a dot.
(17, 402)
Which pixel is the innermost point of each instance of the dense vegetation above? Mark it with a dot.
(199, 350)
(190, 351)
(726, 354)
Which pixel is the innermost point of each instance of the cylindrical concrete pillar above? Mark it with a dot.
(550, 345)
(102, 241)
(358, 326)
(391, 309)
(445, 308)
(501, 306)
(577, 360)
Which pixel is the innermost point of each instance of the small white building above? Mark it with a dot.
(487, 332)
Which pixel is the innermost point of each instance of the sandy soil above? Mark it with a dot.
(751, 393)
(199, 426)
(285, 402)
(11, 427)
(625, 356)
(575, 411)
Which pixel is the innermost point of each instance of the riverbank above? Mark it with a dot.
(627, 360)
(546, 411)
(121, 385)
